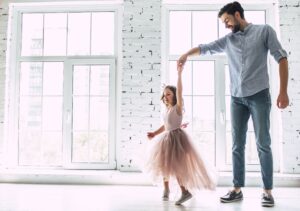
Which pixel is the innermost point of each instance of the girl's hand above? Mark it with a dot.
(179, 69)
(150, 135)
(184, 125)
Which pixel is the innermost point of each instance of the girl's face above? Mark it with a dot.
(168, 97)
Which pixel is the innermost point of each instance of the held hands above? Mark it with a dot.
(179, 69)
(282, 100)
(181, 61)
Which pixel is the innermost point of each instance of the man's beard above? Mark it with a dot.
(236, 28)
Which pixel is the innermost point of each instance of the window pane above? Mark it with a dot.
(81, 80)
(90, 147)
(80, 147)
(205, 143)
(255, 17)
(180, 32)
(103, 33)
(37, 149)
(31, 78)
(55, 34)
(30, 147)
(98, 147)
(100, 80)
(188, 114)
(53, 78)
(203, 78)
(52, 148)
(80, 113)
(99, 111)
(205, 27)
(222, 29)
(79, 33)
(30, 117)
(40, 115)
(203, 114)
(91, 113)
(52, 113)
(32, 35)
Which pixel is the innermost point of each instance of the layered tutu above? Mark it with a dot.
(174, 156)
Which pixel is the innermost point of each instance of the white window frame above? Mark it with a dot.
(221, 61)
(67, 138)
(14, 58)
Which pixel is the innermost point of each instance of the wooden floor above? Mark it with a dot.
(25, 197)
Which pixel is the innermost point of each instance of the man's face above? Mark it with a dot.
(231, 22)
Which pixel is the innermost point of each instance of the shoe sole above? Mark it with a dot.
(234, 200)
(267, 205)
(179, 203)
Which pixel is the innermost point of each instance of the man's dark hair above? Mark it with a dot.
(231, 8)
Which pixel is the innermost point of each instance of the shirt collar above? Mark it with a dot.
(246, 29)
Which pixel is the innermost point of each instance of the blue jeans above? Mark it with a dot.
(258, 106)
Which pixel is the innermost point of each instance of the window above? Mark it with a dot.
(64, 86)
(206, 79)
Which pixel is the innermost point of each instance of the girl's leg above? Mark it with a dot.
(166, 189)
(166, 183)
(183, 189)
(186, 195)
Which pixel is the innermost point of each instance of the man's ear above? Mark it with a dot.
(237, 15)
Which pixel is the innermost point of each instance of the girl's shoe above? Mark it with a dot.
(166, 195)
(184, 197)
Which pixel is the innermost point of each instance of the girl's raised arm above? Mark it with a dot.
(179, 90)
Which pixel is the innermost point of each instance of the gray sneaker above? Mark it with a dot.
(165, 196)
(184, 197)
(267, 200)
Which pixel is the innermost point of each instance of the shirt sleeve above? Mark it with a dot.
(274, 45)
(217, 46)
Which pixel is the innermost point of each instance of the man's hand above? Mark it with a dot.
(282, 100)
(181, 61)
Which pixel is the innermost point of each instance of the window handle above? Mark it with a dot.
(68, 116)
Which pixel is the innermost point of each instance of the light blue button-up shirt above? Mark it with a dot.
(247, 54)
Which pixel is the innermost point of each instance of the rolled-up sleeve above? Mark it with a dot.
(214, 47)
(274, 45)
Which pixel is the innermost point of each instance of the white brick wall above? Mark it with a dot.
(3, 39)
(141, 78)
(289, 20)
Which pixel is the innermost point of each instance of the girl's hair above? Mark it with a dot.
(173, 90)
(231, 8)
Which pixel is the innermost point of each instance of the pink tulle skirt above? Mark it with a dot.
(175, 156)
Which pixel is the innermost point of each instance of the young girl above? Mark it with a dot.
(174, 155)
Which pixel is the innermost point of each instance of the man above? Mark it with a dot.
(247, 50)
